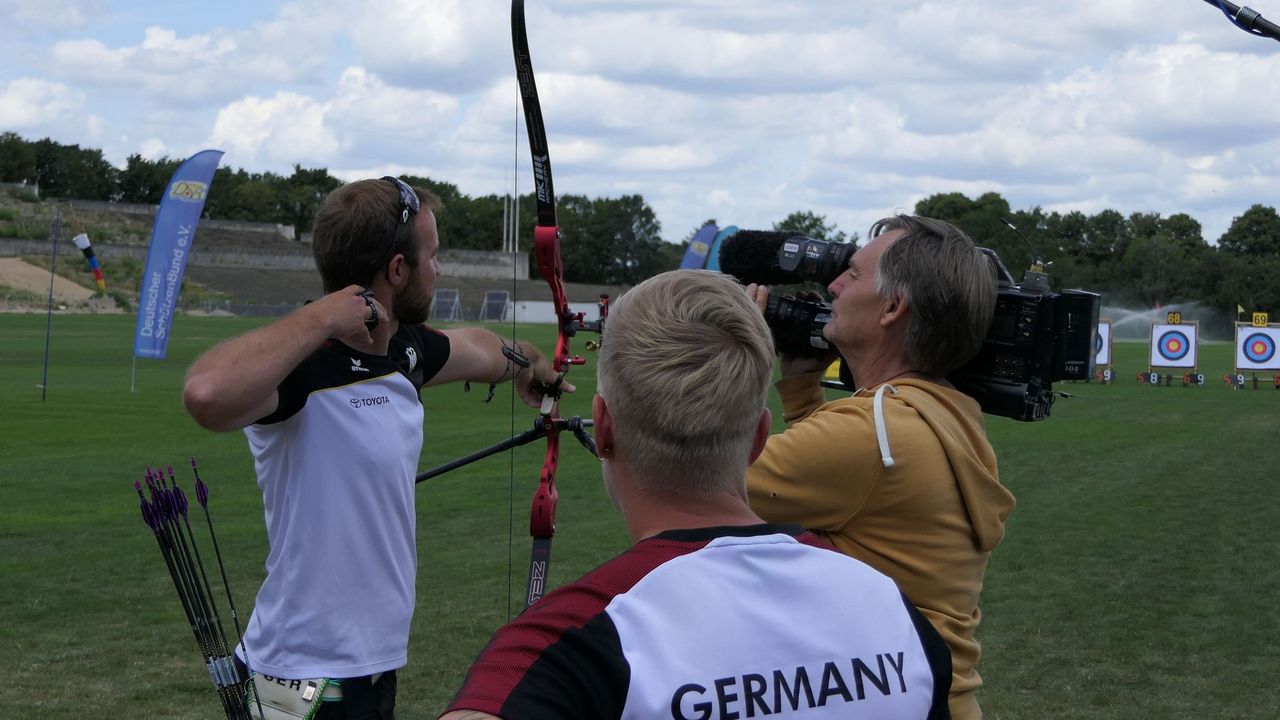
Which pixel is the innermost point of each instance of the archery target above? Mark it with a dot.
(1256, 347)
(1173, 346)
(1102, 345)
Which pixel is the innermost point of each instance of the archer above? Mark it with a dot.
(329, 400)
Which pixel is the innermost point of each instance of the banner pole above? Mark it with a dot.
(48, 324)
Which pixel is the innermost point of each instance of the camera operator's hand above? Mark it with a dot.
(792, 365)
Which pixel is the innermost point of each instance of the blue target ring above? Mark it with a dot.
(1097, 343)
(1259, 347)
(1174, 345)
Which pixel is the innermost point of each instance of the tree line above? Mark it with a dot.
(1141, 259)
(614, 241)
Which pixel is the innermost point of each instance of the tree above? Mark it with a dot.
(616, 241)
(810, 224)
(302, 194)
(71, 172)
(983, 221)
(1256, 232)
(1249, 281)
(1167, 260)
(143, 181)
(17, 159)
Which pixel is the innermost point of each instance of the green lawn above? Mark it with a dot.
(1136, 579)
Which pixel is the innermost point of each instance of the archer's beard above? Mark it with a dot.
(413, 304)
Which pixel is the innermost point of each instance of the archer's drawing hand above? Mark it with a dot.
(349, 313)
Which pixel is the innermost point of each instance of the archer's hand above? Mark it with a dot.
(346, 313)
(539, 379)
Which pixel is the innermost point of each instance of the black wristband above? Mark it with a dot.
(512, 353)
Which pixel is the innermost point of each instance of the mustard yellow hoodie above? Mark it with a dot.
(923, 505)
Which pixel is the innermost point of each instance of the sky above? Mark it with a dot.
(741, 111)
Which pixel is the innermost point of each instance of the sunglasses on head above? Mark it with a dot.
(409, 206)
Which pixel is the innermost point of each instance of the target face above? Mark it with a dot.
(1102, 345)
(1173, 346)
(1259, 348)
(1256, 348)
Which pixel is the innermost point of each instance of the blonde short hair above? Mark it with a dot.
(685, 367)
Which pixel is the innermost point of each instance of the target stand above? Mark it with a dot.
(1102, 370)
(1174, 348)
(1256, 352)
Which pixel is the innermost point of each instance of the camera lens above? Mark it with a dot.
(797, 325)
(816, 260)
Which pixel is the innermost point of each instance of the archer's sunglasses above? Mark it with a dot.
(409, 206)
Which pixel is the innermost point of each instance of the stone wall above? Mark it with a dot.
(273, 230)
(454, 263)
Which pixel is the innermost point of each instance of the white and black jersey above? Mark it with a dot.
(731, 622)
(336, 463)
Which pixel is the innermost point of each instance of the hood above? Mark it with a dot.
(973, 462)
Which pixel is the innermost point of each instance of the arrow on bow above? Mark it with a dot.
(546, 241)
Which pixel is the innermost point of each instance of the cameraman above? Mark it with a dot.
(900, 475)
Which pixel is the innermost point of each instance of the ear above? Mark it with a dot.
(761, 436)
(893, 309)
(602, 424)
(397, 270)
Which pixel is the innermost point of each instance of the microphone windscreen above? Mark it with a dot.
(752, 257)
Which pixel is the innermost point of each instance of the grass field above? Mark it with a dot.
(1137, 579)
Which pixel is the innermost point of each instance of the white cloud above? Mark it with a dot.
(30, 105)
(364, 104)
(279, 130)
(205, 68)
(744, 110)
(459, 45)
(24, 15)
(153, 149)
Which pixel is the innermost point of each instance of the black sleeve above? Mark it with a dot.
(583, 675)
(420, 352)
(939, 657)
(535, 668)
(293, 391)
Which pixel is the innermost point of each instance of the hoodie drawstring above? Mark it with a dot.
(881, 436)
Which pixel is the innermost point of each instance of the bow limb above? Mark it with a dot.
(546, 237)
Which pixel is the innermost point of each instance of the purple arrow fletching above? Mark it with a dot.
(155, 491)
(168, 506)
(180, 501)
(202, 493)
(149, 516)
(176, 495)
(202, 490)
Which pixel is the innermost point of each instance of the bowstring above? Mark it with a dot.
(513, 231)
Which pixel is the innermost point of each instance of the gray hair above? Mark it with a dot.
(685, 366)
(949, 285)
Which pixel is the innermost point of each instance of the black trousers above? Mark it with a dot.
(362, 699)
